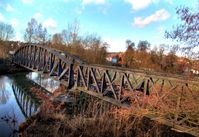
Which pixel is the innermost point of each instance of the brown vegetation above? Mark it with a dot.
(155, 60)
(4, 50)
(6, 46)
(169, 113)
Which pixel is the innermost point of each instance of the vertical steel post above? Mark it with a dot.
(71, 76)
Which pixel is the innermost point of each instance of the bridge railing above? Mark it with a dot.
(120, 84)
(115, 85)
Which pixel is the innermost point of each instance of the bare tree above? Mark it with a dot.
(35, 33)
(129, 54)
(89, 47)
(42, 34)
(30, 31)
(70, 35)
(57, 39)
(6, 31)
(188, 31)
(143, 45)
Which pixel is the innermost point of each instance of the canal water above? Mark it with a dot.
(16, 101)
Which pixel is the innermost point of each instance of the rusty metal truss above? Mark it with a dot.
(112, 84)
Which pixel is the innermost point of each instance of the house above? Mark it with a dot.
(195, 67)
(115, 57)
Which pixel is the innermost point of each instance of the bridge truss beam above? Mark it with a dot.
(115, 85)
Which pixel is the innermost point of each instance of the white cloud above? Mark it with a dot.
(27, 1)
(37, 15)
(86, 2)
(139, 4)
(9, 8)
(1, 17)
(159, 15)
(50, 23)
(142, 4)
(14, 22)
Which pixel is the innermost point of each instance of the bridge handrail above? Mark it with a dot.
(160, 75)
(54, 51)
(73, 56)
(112, 84)
(166, 76)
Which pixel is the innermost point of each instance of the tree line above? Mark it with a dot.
(92, 49)
(156, 59)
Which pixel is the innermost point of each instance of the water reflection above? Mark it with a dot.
(15, 104)
(26, 103)
(48, 83)
(4, 95)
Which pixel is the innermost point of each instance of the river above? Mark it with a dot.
(16, 101)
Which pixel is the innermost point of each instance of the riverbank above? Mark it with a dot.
(6, 67)
(93, 119)
(60, 126)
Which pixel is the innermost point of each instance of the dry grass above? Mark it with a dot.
(93, 118)
(3, 51)
(178, 105)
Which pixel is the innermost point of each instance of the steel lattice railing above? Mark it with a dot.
(111, 84)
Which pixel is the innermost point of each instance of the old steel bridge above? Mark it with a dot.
(112, 84)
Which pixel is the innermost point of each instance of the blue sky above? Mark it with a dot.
(113, 20)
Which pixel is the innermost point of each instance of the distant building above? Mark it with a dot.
(195, 71)
(115, 58)
(195, 67)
